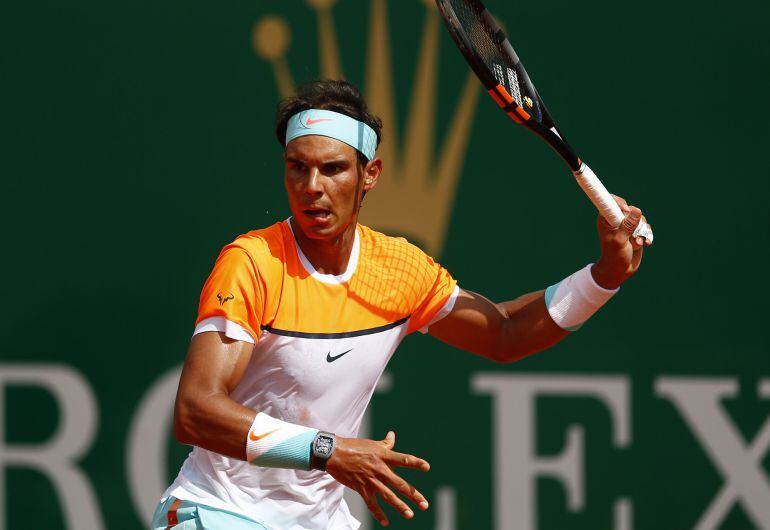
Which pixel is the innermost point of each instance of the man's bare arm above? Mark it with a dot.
(508, 331)
(204, 414)
(503, 332)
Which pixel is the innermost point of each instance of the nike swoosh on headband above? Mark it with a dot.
(311, 121)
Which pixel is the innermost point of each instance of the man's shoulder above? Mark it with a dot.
(384, 245)
(262, 244)
(397, 272)
(397, 257)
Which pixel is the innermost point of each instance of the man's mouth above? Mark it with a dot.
(317, 213)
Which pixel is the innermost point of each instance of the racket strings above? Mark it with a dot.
(481, 35)
(492, 48)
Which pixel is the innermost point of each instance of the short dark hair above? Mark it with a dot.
(327, 94)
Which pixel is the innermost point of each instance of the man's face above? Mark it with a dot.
(325, 182)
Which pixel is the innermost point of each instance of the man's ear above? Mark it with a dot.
(372, 172)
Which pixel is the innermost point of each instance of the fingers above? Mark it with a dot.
(372, 475)
(646, 242)
(390, 440)
(394, 459)
(394, 500)
(638, 241)
(631, 220)
(403, 460)
(384, 491)
(407, 490)
(624, 234)
(636, 258)
(371, 503)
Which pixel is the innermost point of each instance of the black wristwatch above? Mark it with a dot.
(321, 449)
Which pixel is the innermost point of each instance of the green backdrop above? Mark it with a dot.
(137, 141)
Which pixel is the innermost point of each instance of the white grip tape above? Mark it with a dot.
(605, 203)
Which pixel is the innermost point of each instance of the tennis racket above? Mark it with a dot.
(492, 58)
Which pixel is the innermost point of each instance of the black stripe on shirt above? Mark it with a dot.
(344, 335)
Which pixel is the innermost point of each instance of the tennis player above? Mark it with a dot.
(298, 320)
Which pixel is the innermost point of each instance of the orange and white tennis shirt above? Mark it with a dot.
(321, 344)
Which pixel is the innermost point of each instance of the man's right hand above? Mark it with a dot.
(367, 467)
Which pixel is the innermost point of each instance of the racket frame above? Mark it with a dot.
(547, 130)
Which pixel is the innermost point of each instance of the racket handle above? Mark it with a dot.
(605, 203)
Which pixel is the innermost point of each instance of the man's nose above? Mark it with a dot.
(313, 186)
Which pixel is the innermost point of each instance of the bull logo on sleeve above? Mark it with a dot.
(224, 297)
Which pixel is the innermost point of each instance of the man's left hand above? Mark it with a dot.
(621, 251)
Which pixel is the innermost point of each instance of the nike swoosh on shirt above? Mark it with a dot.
(330, 359)
(256, 437)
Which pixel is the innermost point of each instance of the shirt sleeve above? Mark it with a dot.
(444, 311)
(438, 299)
(235, 292)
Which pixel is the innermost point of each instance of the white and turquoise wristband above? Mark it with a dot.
(275, 443)
(573, 300)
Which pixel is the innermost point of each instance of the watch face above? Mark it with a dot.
(323, 446)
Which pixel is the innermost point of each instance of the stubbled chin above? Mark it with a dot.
(316, 228)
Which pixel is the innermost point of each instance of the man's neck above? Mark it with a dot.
(327, 256)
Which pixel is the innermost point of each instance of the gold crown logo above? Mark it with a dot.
(416, 193)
